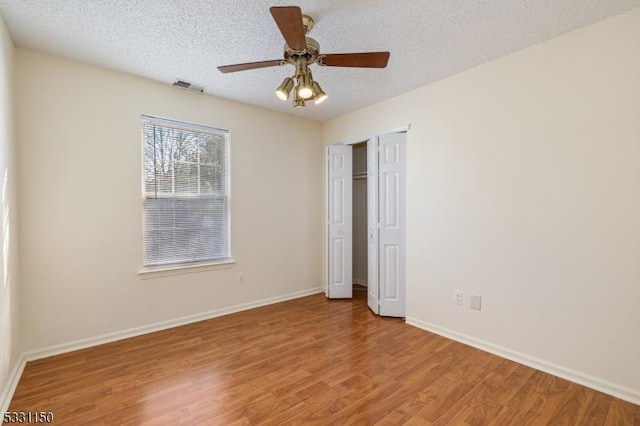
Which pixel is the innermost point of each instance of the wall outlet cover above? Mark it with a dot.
(476, 302)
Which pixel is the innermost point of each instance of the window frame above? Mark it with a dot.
(179, 267)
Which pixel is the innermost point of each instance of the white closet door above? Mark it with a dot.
(392, 202)
(340, 174)
(372, 225)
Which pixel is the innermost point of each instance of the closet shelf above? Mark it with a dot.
(360, 175)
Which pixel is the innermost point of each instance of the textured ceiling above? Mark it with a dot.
(187, 39)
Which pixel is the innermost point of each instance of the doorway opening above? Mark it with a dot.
(366, 183)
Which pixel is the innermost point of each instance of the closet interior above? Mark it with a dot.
(360, 256)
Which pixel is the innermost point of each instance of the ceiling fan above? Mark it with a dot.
(301, 52)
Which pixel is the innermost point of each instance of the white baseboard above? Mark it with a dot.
(12, 384)
(613, 389)
(360, 282)
(163, 325)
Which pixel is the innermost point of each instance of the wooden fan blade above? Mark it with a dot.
(249, 66)
(289, 21)
(360, 60)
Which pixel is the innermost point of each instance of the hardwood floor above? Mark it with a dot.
(306, 361)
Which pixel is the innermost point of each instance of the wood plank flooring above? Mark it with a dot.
(306, 361)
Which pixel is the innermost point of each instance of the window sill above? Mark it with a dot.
(166, 271)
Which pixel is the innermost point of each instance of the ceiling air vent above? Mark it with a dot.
(189, 86)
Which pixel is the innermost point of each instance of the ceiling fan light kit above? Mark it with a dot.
(298, 101)
(301, 52)
(284, 90)
(318, 93)
(304, 86)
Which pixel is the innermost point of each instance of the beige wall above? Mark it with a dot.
(9, 312)
(524, 188)
(80, 196)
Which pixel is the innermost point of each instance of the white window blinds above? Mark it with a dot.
(185, 191)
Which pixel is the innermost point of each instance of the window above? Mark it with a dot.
(186, 193)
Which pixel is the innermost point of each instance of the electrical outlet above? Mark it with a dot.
(241, 278)
(476, 302)
(457, 297)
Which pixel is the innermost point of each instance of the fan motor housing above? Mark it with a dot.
(312, 50)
